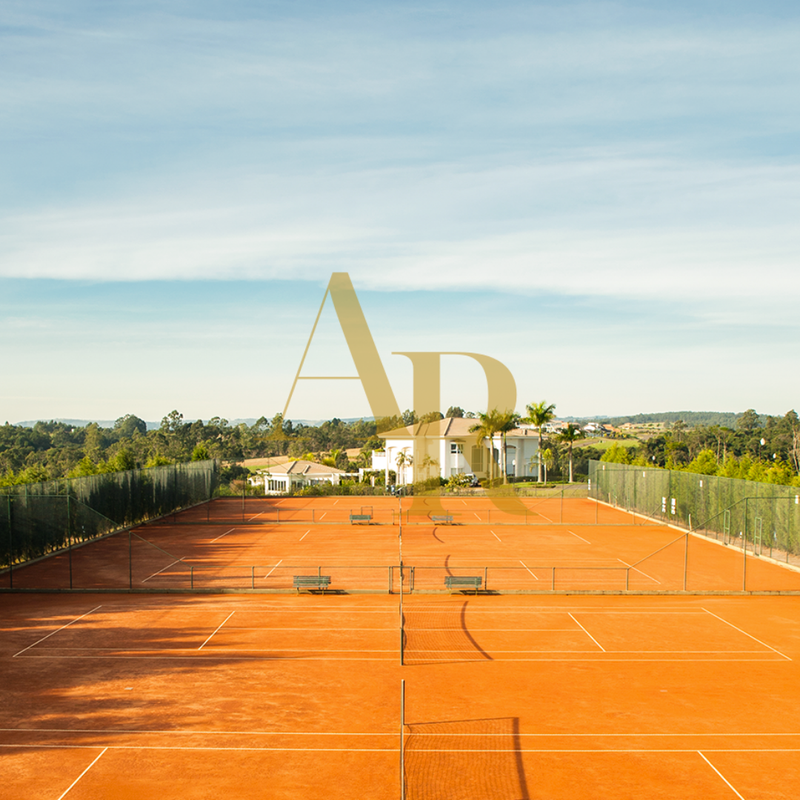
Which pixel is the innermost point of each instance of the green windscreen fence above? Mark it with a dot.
(762, 517)
(40, 518)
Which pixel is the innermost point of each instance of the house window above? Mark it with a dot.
(456, 448)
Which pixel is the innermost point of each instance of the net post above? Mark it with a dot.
(627, 578)
(553, 583)
(253, 577)
(485, 578)
(402, 740)
(191, 576)
(391, 575)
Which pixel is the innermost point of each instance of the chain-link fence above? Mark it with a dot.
(761, 517)
(41, 518)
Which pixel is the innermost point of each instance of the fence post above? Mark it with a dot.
(744, 549)
(686, 563)
(485, 578)
(553, 583)
(11, 547)
(130, 560)
(69, 540)
(191, 576)
(253, 577)
(627, 578)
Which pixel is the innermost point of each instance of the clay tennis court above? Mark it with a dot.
(531, 546)
(517, 692)
(506, 697)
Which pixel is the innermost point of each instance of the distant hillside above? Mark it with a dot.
(152, 426)
(725, 419)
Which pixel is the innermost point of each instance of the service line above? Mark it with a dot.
(217, 628)
(221, 535)
(82, 774)
(52, 633)
(526, 567)
(273, 569)
(579, 537)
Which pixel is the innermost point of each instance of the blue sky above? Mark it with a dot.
(604, 196)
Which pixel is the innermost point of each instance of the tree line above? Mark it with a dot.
(759, 448)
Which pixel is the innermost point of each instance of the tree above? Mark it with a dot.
(487, 426)
(128, 425)
(748, 421)
(454, 411)
(539, 414)
(403, 459)
(569, 436)
(506, 421)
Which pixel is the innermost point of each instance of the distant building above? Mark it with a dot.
(448, 448)
(282, 478)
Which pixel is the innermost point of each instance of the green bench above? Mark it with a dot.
(311, 582)
(360, 518)
(442, 518)
(459, 582)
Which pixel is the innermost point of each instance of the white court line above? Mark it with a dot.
(256, 515)
(394, 749)
(476, 515)
(335, 502)
(720, 774)
(630, 566)
(747, 634)
(497, 537)
(221, 535)
(82, 774)
(176, 561)
(588, 634)
(526, 567)
(273, 569)
(542, 515)
(582, 735)
(52, 633)
(218, 627)
(304, 535)
(580, 537)
(323, 514)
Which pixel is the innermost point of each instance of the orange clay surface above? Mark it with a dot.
(508, 697)
(528, 545)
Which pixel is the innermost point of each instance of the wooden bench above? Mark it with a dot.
(440, 518)
(459, 582)
(311, 582)
(360, 518)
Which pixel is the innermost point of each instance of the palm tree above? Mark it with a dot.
(487, 426)
(569, 436)
(507, 421)
(539, 414)
(403, 459)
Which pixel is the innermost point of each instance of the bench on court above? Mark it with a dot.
(459, 582)
(311, 582)
(447, 518)
(360, 518)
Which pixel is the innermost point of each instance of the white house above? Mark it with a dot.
(283, 478)
(446, 447)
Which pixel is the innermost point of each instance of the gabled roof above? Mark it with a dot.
(447, 428)
(302, 468)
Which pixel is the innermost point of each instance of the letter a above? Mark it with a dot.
(362, 348)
